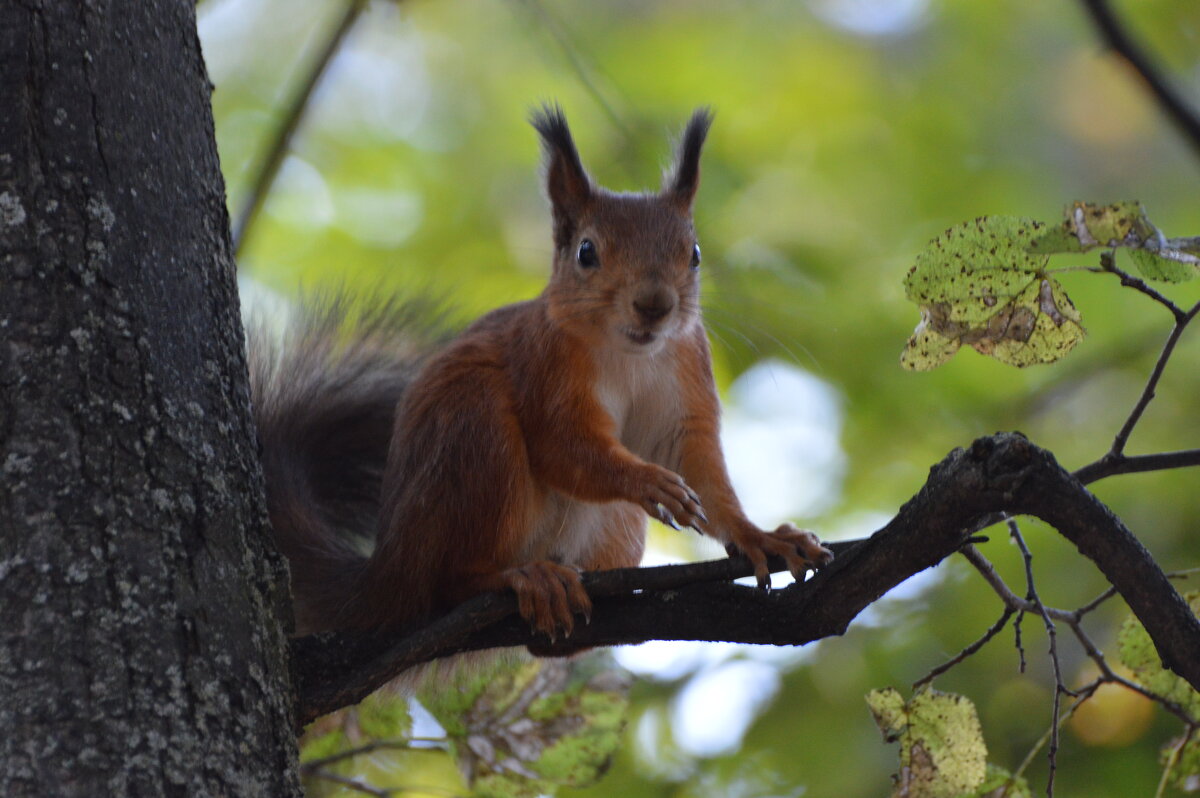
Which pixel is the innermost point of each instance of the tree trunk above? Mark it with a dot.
(140, 651)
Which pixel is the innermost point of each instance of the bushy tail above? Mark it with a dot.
(325, 390)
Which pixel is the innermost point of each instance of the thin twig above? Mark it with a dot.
(968, 651)
(1074, 622)
(357, 785)
(1184, 243)
(1120, 42)
(282, 139)
(1096, 602)
(1109, 465)
(1118, 447)
(1173, 760)
(434, 744)
(1010, 599)
(1083, 693)
(1021, 664)
(1060, 686)
(1108, 675)
(582, 71)
(1108, 262)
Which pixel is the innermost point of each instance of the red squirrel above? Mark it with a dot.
(530, 447)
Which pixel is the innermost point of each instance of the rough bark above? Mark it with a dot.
(139, 651)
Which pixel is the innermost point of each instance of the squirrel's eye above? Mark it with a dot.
(695, 256)
(587, 256)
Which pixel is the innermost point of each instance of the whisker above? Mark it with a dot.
(766, 333)
(753, 346)
(720, 338)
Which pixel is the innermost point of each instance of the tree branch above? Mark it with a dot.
(1108, 465)
(1120, 42)
(1001, 473)
(968, 651)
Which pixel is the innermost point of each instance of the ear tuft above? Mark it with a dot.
(683, 181)
(567, 184)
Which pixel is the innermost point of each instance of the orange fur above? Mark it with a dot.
(533, 445)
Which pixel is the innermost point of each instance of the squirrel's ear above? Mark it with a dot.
(567, 184)
(681, 183)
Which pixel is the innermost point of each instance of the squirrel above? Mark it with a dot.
(529, 448)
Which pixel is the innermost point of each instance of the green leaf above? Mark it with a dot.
(1055, 329)
(927, 348)
(890, 711)
(1156, 267)
(975, 266)
(529, 728)
(1038, 325)
(1137, 652)
(942, 753)
(979, 285)
(1087, 226)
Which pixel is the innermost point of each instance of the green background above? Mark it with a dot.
(837, 153)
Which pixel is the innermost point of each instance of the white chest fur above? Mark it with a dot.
(641, 394)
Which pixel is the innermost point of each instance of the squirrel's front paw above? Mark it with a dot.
(549, 596)
(665, 496)
(800, 549)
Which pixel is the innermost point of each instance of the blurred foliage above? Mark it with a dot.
(848, 134)
(519, 731)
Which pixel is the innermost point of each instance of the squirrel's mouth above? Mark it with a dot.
(640, 337)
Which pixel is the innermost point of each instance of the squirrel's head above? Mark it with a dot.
(626, 266)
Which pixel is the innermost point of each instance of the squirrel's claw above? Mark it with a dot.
(800, 549)
(549, 595)
(663, 492)
(664, 515)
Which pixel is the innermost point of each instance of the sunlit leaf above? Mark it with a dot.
(1055, 329)
(1037, 325)
(927, 348)
(942, 753)
(979, 285)
(1114, 717)
(974, 268)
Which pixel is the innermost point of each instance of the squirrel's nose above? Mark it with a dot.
(653, 306)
